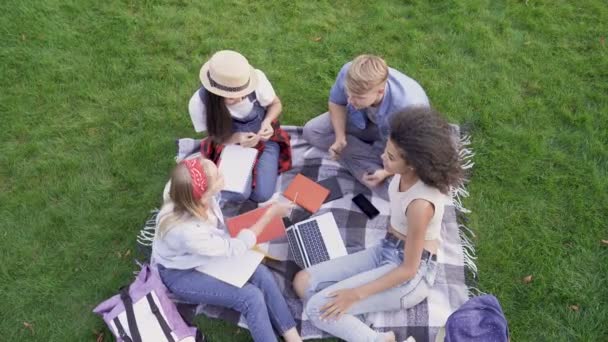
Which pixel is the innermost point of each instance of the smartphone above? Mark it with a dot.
(366, 206)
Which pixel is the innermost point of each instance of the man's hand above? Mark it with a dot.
(249, 139)
(266, 131)
(373, 179)
(336, 149)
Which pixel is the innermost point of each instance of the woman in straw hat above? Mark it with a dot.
(236, 104)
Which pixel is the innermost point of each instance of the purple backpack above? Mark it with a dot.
(143, 312)
(479, 319)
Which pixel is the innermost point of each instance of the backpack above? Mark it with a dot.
(143, 312)
(479, 319)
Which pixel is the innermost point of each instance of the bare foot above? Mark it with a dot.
(292, 335)
(389, 336)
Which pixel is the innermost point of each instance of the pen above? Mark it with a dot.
(295, 198)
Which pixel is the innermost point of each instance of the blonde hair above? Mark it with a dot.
(184, 203)
(365, 72)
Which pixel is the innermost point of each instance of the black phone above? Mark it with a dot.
(366, 206)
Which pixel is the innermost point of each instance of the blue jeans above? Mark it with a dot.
(360, 268)
(363, 146)
(259, 301)
(267, 172)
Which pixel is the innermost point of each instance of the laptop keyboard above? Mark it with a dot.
(315, 247)
(295, 249)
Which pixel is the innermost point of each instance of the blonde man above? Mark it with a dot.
(361, 102)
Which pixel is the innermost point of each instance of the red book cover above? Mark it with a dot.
(273, 230)
(306, 193)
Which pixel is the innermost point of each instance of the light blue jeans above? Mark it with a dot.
(267, 172)
(360, 268)
(260, 301)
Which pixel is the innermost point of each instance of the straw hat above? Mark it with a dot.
(228, 74)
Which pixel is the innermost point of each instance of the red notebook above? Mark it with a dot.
(310, 195)
(273, 230)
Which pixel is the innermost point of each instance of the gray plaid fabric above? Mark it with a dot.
(358, 232)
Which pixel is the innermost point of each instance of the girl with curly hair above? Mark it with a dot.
(399, 272)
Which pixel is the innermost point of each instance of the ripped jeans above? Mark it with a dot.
(360, 268)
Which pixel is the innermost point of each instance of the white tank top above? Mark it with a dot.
(399, 202)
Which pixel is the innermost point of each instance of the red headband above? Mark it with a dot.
(199, 178)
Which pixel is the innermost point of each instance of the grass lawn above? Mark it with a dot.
(94, 93)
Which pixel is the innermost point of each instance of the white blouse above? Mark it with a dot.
(192, 242)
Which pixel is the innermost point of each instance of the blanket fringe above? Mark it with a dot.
(459, 193)
(146, 234)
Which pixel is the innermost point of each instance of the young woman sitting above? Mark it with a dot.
(397, 273)
(191, 234)
(236, 104)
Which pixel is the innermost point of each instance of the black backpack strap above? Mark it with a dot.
(160, 318)
(128, 303)
(200, 337)
(121, 331)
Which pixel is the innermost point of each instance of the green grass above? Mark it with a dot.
(93, 94)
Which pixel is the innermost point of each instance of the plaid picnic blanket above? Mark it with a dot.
(456, 271)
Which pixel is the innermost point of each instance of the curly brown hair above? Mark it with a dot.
(424, 140)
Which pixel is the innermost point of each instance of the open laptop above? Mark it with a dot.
(315, 240)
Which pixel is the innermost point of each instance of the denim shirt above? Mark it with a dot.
(401, 92)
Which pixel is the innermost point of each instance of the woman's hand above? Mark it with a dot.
(276, 209)
(341, 302)
(266, 131)
(249, 139)
(280, 209)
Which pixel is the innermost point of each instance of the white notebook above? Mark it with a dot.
(234, 270)
(236, 164)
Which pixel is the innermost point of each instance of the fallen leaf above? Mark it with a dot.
(602, 41)
(23, 36)
(574, 307)
(29, 326)
(99, 337)
(605, 242)
(527, 279)
(127, 253)
(317, 39)
(118, 254)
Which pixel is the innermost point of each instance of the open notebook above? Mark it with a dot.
(234, 270)
(236, 164)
